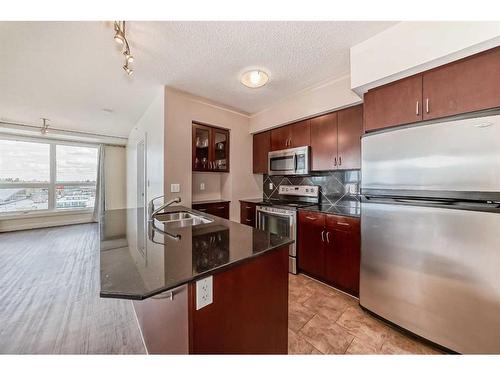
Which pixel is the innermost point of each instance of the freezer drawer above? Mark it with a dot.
(435, 272)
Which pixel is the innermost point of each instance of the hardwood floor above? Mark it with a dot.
(50, 304)
(49, 296)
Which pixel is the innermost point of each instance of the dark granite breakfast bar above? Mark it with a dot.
(158, 267)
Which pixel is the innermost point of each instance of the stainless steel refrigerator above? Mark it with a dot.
(430, 231)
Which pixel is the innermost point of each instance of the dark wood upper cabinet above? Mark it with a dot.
(300, 134)
(210, 149)
(261, 148)
(336, 140)
(311, 253)
(350, 129)
(280, 138)
(289, 136)
(394, 104)
(324, 142)
(220, 147)
(466, 85)
(202, 141)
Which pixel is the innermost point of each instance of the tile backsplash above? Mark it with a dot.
(336, 187)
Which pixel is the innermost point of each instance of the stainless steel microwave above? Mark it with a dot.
(292, 161)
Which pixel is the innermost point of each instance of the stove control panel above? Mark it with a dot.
(299, 190)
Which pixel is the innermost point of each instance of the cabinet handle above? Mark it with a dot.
(335, 162)
(328, 237)
(221, 208)
(417, 110)
(248, 220)
(322, 236)
(311, 218)
(427, 105)
(340, 160)
(248, 206)
(346, 224)
(290, 142)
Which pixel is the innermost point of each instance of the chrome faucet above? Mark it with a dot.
(153, 211)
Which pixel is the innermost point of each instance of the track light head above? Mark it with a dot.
(119, 37)
(128, 70)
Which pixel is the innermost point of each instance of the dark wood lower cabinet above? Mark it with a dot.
(311, 252)
(329, 249)
(250, 310)
(248, 213)
(248, 315)
(342, 255)
(216, 209)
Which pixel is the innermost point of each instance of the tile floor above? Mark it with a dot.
(322, 320)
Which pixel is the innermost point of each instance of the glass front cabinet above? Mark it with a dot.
(210, 149)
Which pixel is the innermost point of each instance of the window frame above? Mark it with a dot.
(52, 184)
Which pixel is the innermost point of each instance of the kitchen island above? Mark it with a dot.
(217, 287)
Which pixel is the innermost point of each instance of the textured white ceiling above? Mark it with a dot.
(70, 71)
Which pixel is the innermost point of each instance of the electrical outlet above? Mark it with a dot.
(204, 294)
(202, 186)
(271, 185)
(175, 188)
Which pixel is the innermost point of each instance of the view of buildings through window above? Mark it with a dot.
(38, 176)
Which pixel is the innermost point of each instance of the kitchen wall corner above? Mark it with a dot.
(181, 109)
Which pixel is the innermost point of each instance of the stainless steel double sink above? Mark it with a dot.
(181, 219)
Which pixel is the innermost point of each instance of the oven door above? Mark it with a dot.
(283, 224)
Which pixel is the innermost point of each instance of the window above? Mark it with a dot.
(46, 176)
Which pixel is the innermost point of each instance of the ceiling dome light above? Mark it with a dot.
(254, 78)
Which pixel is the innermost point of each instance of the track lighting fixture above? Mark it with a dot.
(127, 69)
(45, 126)
(120, 38)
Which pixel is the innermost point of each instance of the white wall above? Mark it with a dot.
(115, 172)
(150, 128)
(213, 186)
(326, 97)
(408, 48)
(181, 110)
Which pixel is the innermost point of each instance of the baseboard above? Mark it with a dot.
(10, 225)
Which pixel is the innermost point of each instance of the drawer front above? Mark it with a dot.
(216, 209)
(343, 223)
(247, 213)
(312, 217)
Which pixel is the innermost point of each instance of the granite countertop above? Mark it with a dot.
(211, 201)
(135, 268)
(351, 209)
(252, 200)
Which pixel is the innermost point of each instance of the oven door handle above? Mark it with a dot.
(291, 214)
